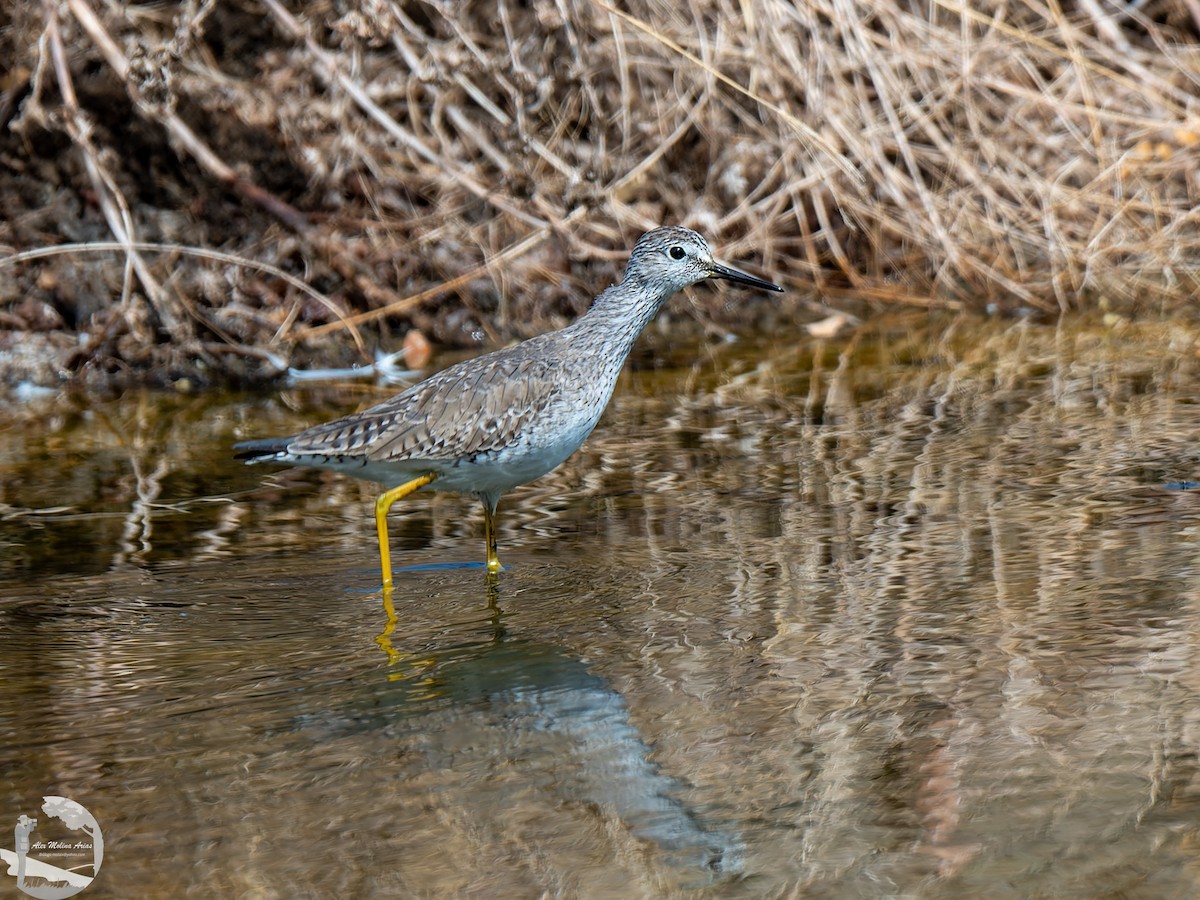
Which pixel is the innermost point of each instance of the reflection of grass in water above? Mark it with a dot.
(910, 417)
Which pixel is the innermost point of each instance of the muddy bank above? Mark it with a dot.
(282, 188)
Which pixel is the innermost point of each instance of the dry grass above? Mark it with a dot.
(501, 158)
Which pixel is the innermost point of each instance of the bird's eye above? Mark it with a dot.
(677, 252)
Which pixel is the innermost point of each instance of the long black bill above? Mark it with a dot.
(742, 278)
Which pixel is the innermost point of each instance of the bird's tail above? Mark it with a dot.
(263, 447)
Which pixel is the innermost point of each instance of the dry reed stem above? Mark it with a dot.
(112, 203)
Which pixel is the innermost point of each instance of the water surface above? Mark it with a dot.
(912, 614)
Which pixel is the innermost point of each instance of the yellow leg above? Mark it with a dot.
(382, 505)
(489, 533)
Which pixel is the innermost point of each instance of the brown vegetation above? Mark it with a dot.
(477, 170)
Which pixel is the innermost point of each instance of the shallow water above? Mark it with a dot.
(912, 614)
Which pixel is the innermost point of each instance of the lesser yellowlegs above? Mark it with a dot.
(488, 424)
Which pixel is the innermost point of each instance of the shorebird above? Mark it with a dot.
(488, 424)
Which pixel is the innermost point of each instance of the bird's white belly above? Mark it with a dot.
(500, 471)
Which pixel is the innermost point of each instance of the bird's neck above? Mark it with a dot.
(620, 313)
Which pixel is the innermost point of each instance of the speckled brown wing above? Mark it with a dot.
(474, 407)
